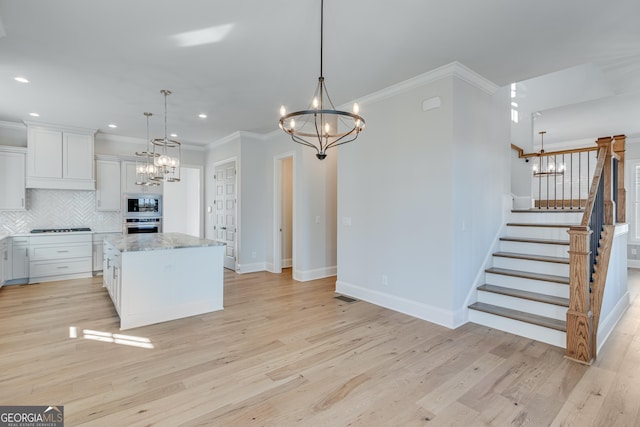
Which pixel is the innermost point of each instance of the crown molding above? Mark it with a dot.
(453, 69)
(237, 135)
(12, 125)
(107, 137)
(59, 127)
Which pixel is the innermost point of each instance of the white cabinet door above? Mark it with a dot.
(4, 261)
(60, 158)
(107, 185)
(19, 258)
(77, 152)
(45, 153)
(12, 180)
(129, 179)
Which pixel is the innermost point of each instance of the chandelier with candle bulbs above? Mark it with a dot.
(166, 152)
(146, 171)
(549, 167)
(321, 126)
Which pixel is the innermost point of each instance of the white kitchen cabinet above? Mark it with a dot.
(4, 261)
(20, 259)
(60, 158)
(12, 179)
(98, 251)
(112, 276)
(108, 196)
(59, 257)
(129, 179)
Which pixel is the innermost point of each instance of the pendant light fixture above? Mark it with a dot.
(145, 169)
(549, 167)
(321, 126)
(166, 152)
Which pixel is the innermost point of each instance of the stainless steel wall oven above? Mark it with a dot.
(142, 213)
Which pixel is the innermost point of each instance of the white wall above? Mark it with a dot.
(182, 211)
(423, 193)
(481, 178)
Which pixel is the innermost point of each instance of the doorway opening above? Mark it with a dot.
(284, 213)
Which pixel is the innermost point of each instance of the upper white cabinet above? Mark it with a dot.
(107, 185)
(129, 179)
(59, 158)
(12, 179)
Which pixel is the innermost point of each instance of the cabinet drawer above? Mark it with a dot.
(55, 268)
(69, 250)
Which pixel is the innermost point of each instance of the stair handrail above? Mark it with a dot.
(589, 246)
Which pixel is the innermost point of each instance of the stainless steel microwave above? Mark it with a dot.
(142, 205)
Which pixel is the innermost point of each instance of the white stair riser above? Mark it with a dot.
(534, 307)
(553, 233)
(541, 267)
(538, 333)
(534, 248)
(547, 217)
(531, 285)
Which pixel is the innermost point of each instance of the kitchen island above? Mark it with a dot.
(157, 277)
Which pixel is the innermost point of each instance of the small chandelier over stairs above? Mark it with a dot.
(549, 167)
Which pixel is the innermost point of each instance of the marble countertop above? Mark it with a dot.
(158, 241)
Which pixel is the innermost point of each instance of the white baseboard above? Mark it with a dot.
(608, 324)
(318, 273)
(633, 263)
(251, 268)
(422, 311)
(286, 263)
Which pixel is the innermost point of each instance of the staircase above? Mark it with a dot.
(526, 291)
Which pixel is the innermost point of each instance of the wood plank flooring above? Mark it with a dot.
(285, 353)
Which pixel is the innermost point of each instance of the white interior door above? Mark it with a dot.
(225, 211)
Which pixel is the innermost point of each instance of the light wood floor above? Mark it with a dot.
(284, 353)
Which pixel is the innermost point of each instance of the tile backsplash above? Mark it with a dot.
(59, 209)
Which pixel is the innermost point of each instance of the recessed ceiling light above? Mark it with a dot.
(174, 135)
(202, 116)
(34, 114)
(112, 125)
(21, 79)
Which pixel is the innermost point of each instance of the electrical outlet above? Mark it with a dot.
(253, 254)
(634, 251)
(385, 280)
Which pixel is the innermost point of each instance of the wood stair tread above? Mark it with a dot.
(542, 241)
(522, 316)
(532, 296)
(544, 258)
(541, 225)
(528, 275)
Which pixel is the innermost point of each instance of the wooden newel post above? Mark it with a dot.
(579, 316)
(607, 176)
(619, 149)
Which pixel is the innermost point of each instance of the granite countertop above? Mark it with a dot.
(158, 241)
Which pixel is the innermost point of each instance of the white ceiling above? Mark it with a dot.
(97, 62)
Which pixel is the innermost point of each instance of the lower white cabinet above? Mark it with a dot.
(4, 261)
(20, 259)
(98, 253)
(60, 257)
(112, 274)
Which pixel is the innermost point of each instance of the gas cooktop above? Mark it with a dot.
(59, 230)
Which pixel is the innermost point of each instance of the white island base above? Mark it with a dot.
(153, 279)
